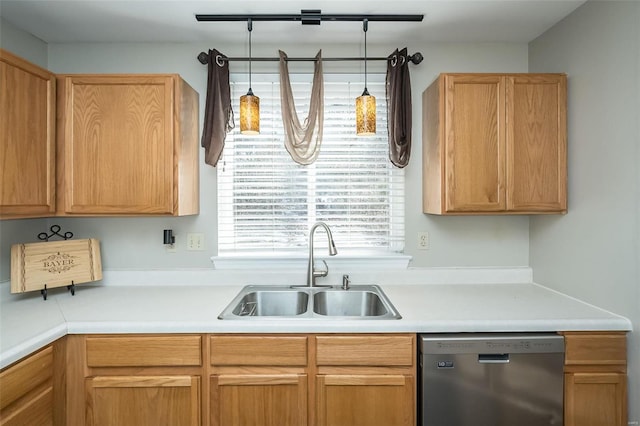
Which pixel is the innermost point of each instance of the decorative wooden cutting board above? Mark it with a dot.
(54, 264)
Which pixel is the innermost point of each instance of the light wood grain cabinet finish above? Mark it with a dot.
(346, 380)
(27, 139)
(143, 400)
(495, 144)
(260, 399)
(259, 380)
(267, 379)
(26, 391)
(595, 379)
(365, 380)
(144, 351)
(127, 145)
(365, 399)
(141, 380)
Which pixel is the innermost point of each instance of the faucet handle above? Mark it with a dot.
(321, 272)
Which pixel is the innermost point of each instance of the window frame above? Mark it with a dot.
(393, 254)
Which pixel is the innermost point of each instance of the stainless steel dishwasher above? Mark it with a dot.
(500, 379)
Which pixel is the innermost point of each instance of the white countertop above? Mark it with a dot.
(27, 322)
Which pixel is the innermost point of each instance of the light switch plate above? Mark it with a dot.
(195, 241)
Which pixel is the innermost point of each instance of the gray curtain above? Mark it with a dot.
(218, 114)
(398, 94)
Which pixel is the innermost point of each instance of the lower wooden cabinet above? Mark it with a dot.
(266, 380)
(259, 399)
(27, 391)
(595, 399)
(324, 380)
(595, 379)
(137, 380)
(366, 379)
(258, 380)
(365, 399)
(143, 400)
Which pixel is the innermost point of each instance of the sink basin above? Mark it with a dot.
(366, 302)
(348, 303)
(266, 303)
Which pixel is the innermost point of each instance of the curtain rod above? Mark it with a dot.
(415, 59)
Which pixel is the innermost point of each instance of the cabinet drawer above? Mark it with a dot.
(145, 351)
(36, 411)
(595, 348)
(382, 350)
(21, 378)
(259, 350)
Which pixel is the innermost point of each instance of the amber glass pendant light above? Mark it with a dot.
(249, 103)
(365, 103)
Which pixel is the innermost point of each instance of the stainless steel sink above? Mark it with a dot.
(275, 303)
(349, 303)
(367, 302)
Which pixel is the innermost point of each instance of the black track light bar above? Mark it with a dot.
(310, 17)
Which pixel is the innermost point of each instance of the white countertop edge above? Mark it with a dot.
(19, 351)
(618, 318)
(347, 326)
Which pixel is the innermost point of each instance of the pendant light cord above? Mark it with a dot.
(250, 28)
(365, 27)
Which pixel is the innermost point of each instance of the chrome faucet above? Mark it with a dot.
(312, 272)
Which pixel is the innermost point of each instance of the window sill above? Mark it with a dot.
(287, 261)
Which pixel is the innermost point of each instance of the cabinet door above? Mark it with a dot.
(143, 401)
(259, 400)
(475, 143)
(595, 399)
(27, 139)
(536, 143)
(118, 145)
(365, 400)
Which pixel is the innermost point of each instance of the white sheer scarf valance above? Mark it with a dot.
(302, 140)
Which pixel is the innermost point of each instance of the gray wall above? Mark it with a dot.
(593, 252)
(17, 231)
(23, 44)
(135, 243)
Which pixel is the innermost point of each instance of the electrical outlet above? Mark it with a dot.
(423, 240)
(195, 241)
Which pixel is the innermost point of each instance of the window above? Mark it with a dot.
(268, 203)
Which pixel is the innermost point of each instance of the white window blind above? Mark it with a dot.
(268, 203)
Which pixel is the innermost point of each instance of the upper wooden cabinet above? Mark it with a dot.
(27, 139)
(495, 144)
(127, 145)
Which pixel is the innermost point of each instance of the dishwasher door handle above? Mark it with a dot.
(493, 358)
